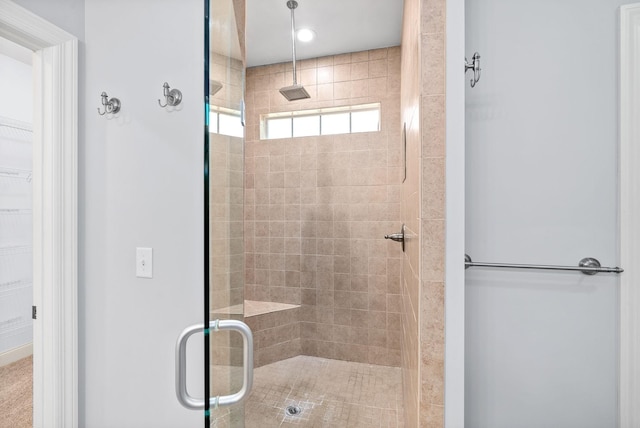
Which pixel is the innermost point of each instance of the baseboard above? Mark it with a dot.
(16, 354)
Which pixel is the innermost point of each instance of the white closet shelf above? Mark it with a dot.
(15, 173)
(13, 284)
(15, 249)
(15, 130)
(15, 211)
(14, 326)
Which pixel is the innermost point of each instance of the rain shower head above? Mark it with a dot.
(295, 91)
(214, 87)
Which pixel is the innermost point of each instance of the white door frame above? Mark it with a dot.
(455, 221)
(55, 166)
(629, 215)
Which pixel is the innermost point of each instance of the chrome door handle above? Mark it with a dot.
(398, 237)
(181, 365)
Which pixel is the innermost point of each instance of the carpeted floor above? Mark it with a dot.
(16, 394)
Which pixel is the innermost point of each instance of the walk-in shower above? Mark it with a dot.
(298, 202)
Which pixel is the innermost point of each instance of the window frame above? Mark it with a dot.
(214, 117)
(266, 118)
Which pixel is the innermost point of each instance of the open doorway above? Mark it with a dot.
(16, 237)
(54, 53)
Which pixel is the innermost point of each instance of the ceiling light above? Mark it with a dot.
(306, 35)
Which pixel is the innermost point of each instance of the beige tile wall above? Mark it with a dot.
(226, 192)
(432, 213)
(226, 285)
(423, 106)
(226, 221)
(317, 208)
(410, 102)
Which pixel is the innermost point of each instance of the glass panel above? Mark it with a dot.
(213, 122)
(336, 123)
(225, 194)
(279, 128)
(306, 126)
(365, 121)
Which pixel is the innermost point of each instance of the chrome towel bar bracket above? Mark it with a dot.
(588, 266)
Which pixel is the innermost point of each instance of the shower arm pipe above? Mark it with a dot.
(292, 4)
(588, 266)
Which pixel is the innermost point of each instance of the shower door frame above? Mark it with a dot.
(55, 208)
(629, 385)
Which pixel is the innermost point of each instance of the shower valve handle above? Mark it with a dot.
(398, 237)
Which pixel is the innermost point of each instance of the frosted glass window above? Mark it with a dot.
(306, 126)
(365, 121)
(325, 121)
(335, 123)
(279, 128)
(230, 125)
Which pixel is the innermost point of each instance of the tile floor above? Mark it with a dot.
(330, 394)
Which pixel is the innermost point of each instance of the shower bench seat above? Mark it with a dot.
(275, 327)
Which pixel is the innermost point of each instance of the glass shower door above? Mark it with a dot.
(228, 341)
(227, 362)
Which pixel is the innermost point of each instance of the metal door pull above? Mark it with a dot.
(181, 365)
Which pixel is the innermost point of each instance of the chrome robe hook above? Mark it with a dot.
(475, 66)
(173, 97)
(111, 105)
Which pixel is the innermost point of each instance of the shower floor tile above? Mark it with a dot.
(329, 393)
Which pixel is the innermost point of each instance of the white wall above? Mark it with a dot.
(16, 87)
(66, 14)
(140, 184)
(454, 415)
(541, 131)
(142, 187)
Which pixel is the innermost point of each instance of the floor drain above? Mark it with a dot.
(293, 410)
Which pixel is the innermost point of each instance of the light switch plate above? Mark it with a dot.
(144, 262)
